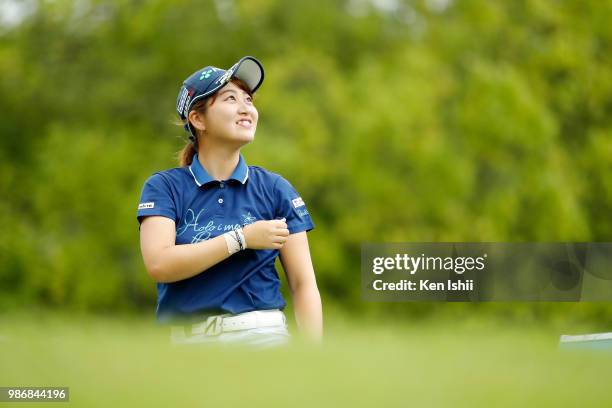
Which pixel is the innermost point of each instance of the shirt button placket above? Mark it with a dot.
(220, 200)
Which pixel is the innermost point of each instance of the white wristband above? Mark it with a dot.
(244, 243)
(232, 245)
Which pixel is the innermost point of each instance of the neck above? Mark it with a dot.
(219, 162)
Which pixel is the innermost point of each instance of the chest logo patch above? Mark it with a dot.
(199, 227)
(247, 219)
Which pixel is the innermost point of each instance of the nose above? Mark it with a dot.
(244, 106)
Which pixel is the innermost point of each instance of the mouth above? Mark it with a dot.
(245, 123)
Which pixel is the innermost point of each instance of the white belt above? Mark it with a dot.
(215, 325)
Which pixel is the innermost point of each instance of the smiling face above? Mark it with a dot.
(230, 117)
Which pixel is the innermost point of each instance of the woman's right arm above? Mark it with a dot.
(167, 262)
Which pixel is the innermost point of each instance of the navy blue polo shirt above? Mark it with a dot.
(203, 208)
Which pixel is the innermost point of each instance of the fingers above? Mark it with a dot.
(280, 232)
(270, 234)
(283, 232)
(278, 241)
(279, 223)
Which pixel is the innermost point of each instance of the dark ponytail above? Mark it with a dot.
(185, 156)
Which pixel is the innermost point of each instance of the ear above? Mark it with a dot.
(196, 121)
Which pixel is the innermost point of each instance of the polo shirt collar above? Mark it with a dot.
(201, 176)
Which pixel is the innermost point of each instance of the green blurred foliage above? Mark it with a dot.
(397, 121)
(116, 361)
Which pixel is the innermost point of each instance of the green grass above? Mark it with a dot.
(129, 362)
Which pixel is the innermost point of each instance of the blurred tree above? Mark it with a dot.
(396, 120)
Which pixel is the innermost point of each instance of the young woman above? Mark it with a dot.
(211, 230)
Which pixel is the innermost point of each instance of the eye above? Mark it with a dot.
(231, 97)
(249, 99)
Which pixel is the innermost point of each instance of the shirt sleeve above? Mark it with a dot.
(291, 206)
(156, 199)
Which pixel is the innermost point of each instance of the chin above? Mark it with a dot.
(245, 138)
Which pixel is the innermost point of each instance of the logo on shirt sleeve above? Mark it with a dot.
(298, 202)
(143, 206)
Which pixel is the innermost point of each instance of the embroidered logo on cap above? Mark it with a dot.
(298, 202)
(143, 206)
(205, 74)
